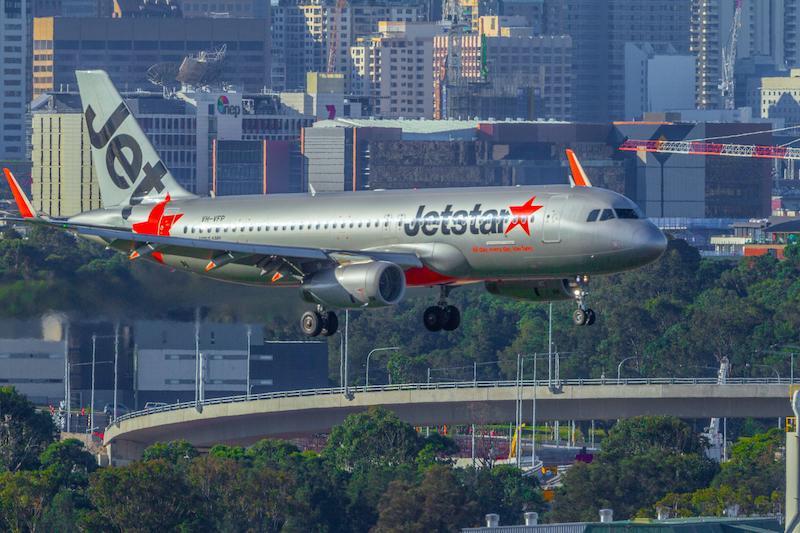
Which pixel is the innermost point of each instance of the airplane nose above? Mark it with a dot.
(649, 243)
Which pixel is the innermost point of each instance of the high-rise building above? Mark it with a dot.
(780, 97)
(657, 79)
(127, 47)
(394, 69)
(15, 92)
(767, 38)
(504, 58)
(305, 31)
(599, 31)
(225, 8)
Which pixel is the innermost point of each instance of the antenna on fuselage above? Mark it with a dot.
(312, 190)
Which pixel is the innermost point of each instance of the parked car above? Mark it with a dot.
(121, 409)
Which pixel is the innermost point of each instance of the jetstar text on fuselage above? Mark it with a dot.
(458, 222)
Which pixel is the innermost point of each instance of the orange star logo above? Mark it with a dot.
(521, 215)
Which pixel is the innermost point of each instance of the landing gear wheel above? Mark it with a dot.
(330, 323)
(590, 317)
(311, 323)
(451, 318)
(433, 318)
(580, 317)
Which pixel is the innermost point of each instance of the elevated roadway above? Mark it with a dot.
(242, 420)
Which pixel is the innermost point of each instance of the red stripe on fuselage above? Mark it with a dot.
(425, 277)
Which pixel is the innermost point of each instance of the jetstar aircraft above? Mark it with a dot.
(355, 249)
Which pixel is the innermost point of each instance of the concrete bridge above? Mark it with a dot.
(243, 420)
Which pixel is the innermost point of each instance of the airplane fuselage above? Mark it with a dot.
(461, 235)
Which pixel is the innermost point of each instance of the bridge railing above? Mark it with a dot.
(579, 382)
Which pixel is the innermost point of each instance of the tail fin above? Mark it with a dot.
(578, 177)
(23, 204)
(127, 166)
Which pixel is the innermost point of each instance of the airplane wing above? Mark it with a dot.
(206, 248)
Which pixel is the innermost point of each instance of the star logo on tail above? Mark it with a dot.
(157, 222)
(521, 215)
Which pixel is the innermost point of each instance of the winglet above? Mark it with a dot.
(579, 177)
(24, 205)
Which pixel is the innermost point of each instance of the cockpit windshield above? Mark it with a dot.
(617, 212)
(626, 213)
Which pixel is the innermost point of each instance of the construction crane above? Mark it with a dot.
(704, 147)
(727, 83)
(333, 35)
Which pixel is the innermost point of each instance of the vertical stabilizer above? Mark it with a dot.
(127, 166)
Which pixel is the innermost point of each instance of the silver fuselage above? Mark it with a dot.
(461, 235)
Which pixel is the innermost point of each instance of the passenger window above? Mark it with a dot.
(185, 229)
(607, 214)
(368, 223)
(593, 214)
(626, 213)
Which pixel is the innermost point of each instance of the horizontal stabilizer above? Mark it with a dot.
(23, 204)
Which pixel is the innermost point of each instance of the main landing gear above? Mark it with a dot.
(442, 316)
(319, 322)
(583, 315)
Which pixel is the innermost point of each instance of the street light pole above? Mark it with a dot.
(550, 348)
(116, 365)
(619, 367)
(91, 407)
(67, 384)
(385, 349)
(533, 421)
(248, 362)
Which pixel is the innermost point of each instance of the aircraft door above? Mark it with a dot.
(551, 226)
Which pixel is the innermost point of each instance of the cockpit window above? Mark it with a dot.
(626, 213)
(593, 215)
(607, 214)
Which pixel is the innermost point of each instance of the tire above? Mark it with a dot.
(579, 317)
(451, 318)
(591, 317)
(330, 324)
(433, 318)
(311, 323)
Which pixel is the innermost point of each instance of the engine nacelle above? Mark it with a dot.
(371, 284)
(543, 290)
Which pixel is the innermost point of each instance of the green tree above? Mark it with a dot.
(373, 437)
(273, 453)
(144, 496)
(68, 463)
(177, 452)
(640, 434)
(643, 460)
(502, 490)
(24, 496)
(437, 503)
(24, 432)
(753, 479)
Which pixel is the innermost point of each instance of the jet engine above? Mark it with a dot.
(543, 290)
(371, 284)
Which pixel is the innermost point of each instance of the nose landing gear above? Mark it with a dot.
(319, 322)
(583, 315)
(442, 316)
